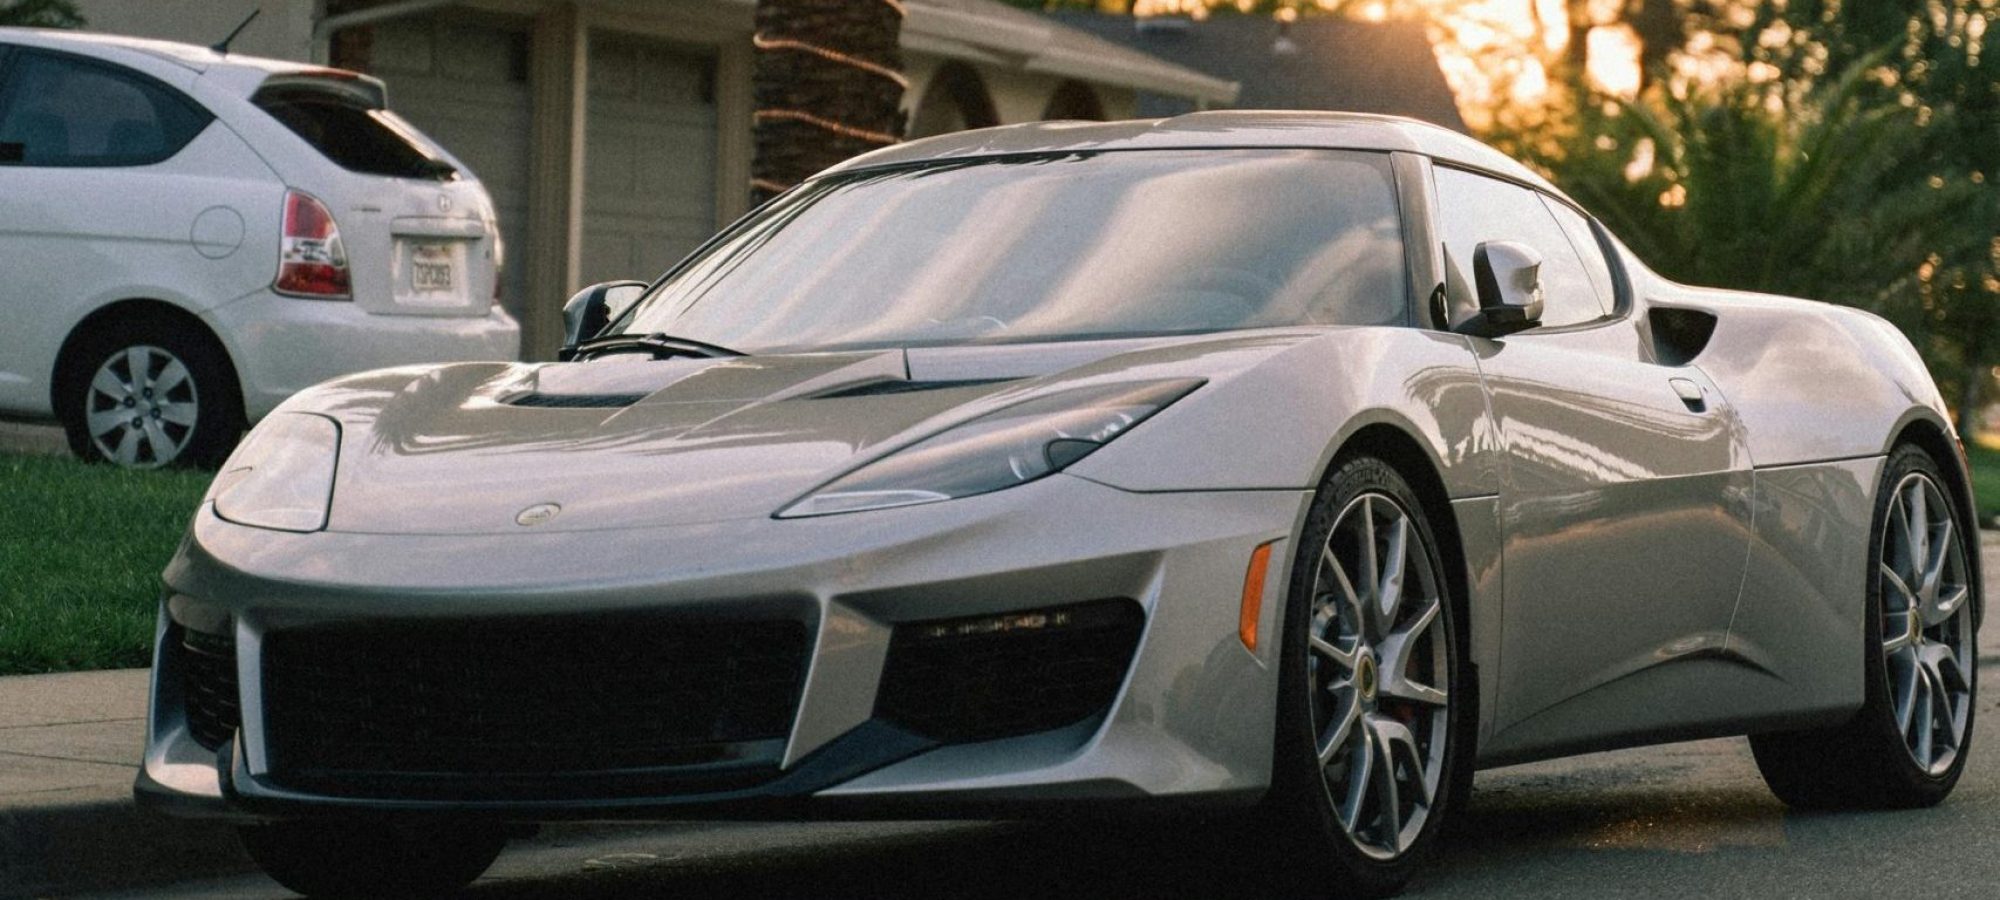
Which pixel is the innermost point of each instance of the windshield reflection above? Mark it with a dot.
(1017, 249)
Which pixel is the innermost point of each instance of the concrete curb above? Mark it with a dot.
(97, 839)
(32, 438)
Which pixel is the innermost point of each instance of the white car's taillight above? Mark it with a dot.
(312, 262)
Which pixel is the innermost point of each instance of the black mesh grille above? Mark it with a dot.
(997, 676)
(532, 697)
(208, 687)
(577, 401)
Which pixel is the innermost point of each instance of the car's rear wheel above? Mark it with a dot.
(146, 394)
(373, 859)
(1367, 747)
(1908, 744)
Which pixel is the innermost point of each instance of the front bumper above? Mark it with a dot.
(1191, 722)
(283, 345)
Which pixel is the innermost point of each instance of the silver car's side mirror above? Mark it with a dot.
(594, 307)
(1508, 275)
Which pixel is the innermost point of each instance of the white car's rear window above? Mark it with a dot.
(355, 137)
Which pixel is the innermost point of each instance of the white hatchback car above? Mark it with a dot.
(187, 238)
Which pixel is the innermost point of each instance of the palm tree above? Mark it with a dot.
(828, 82)
(1825, 191)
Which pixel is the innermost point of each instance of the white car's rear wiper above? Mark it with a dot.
(659, 343)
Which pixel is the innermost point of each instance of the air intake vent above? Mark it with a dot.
(878, 388)
(576, 401)
(208, 687)
(997, 676)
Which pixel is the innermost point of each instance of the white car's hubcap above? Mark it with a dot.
(141, 407)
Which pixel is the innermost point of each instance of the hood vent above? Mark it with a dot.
(879, 388)
(577, 401)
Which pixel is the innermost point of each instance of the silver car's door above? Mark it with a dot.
(1624, 498)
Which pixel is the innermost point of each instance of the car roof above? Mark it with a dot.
(1212, 130)
(242, 73)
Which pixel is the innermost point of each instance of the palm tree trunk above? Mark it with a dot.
(828, 82)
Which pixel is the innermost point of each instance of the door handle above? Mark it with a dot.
(1690, 394)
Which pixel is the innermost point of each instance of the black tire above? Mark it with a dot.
(1300, 817)
(210, 387)
(1867, 763)
(372, 859)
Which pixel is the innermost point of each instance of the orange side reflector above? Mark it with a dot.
(1253, 594)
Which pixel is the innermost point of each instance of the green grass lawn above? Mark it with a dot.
(81, 549)
(1985, 479)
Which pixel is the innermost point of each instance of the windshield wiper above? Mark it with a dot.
(661, 344)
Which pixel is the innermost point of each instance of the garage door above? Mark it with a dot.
(465, 83)
(649, 166)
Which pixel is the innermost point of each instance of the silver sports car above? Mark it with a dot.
(1294, 464)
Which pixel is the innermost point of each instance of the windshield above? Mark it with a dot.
(1113, 244)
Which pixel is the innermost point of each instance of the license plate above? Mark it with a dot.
(430, 267)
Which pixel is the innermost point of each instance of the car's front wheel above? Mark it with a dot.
(1908, 744)
(373, 859)
(1369, 707)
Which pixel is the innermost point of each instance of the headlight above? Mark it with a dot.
(1001, 449)
(282, 475)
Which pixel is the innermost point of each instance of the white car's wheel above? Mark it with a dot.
(1370, 717)
(149, 393)
(1908, 744)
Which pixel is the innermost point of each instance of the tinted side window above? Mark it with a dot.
(58, 110)
(1584, 240)
(368, 141)
(1474, 209)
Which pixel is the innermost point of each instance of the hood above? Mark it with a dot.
(627, 441)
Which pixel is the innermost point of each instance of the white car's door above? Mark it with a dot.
(86, 214)
(115, 186)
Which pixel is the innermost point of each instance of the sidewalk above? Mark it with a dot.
(69, 747)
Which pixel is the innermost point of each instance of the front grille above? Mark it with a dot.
(530, 697)
(997, 676)
(208, 686)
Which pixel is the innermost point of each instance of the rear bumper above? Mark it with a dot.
(1192, 722)
(282, 345)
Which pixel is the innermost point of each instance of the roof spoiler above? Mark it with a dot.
(351, 87)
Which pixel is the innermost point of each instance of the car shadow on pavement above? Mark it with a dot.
(1166, 861)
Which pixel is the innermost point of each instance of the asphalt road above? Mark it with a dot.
(1688, 820)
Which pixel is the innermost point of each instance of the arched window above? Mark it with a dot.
(955, 101)
(1074, 100)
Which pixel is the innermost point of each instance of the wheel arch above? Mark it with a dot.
(1405, 453)
(138, 310)
(1935, 439)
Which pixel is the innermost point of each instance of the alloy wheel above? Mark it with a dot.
(1379, 673)
(1926, 623)
(141, 407)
